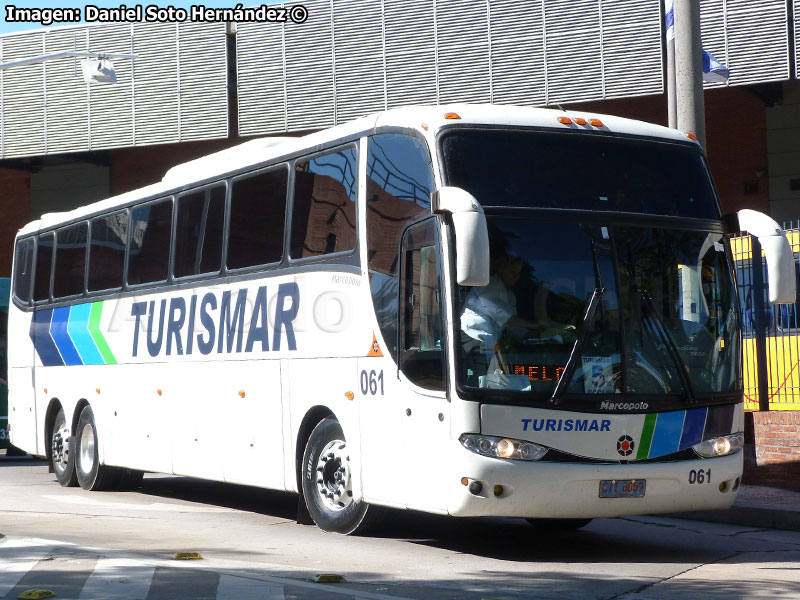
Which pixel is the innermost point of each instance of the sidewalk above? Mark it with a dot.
(756, 506)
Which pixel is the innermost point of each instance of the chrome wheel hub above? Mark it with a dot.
(61, 447)
(86, 449)
(333, 476)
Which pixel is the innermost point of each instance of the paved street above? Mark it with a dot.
(121, 545)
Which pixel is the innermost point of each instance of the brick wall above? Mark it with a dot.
(16, 210)
(772, 449)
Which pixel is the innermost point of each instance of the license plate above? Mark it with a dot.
(622, 488)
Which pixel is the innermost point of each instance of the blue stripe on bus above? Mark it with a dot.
(667, 436)
(58, 329)
(42, 342)
(78, 330)
(693, 427)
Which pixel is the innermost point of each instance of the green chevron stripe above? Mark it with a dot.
(647, 436)
(97, 336)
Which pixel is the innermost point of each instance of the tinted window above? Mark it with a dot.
(70, 260)
(580, 171)
(23, 265)
(44, 263)
(324, 209)
(151, 226)
(107, 252)
(258, 210)
(399, 186)
(198, 237)
(422, 356)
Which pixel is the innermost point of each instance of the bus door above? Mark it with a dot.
(425, 410)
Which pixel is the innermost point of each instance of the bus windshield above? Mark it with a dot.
(576, 309)
(579, 171)
(580, 303)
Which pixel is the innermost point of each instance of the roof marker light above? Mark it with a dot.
(565, 120)
(580, 121)
(691, 136)
(451, 115)
(595, 122)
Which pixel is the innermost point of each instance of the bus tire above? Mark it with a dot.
(91, 474)
(326, 482)
(62, 452)
(556, 525)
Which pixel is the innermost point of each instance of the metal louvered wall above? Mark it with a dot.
(176, 90)
(750, 37)
(360, 56)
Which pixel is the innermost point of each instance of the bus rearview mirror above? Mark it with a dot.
(777, 251)
(472, 234)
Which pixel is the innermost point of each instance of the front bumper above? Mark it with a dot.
(571, 490)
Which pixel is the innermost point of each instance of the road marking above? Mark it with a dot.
(118, 579)
(17, 557)
(122, 575)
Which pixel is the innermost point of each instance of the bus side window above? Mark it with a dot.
(107, 251)
(22, 270)
(44, 264)
(422, 347)
(399, 186)
(257, 214)
(70, 260)
(151, 229)
(324, 204)
(198, 236)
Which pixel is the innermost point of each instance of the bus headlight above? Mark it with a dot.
(497, 447)
(720, 446)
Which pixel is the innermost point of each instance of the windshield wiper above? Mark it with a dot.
(577, 348)
(672, 348)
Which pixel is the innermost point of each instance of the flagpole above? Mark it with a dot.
(689, 69)
(672, 105)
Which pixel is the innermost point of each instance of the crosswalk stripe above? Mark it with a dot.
(118, 579)
(17, 557)
(235, 588)
(64, 571)
(86, 573)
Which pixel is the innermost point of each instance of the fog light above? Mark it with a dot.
(498, 490)
(475, 488)
(723, 486)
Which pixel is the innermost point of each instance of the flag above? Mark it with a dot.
(713, 70)
(669, 19)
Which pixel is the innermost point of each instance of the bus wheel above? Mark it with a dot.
(62, 455)
(327, 486)
(91, 474)
(556, 525)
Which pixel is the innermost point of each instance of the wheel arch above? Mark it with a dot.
(312, 418)
(79, 406)
(49, 419)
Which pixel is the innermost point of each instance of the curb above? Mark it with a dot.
(761, 518)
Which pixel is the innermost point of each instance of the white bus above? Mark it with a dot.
(465, 310)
